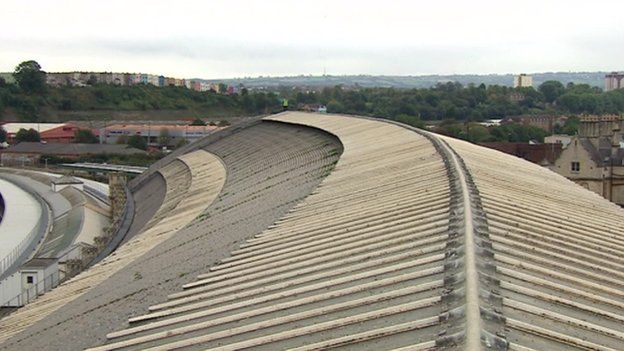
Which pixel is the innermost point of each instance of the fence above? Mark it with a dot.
(9, 262)
(51, 281)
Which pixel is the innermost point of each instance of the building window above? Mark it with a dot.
(30, 279)
(576, 166)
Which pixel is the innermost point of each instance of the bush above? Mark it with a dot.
(138, 142)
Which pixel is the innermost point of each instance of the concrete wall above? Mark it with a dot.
(9, 288)
(19, 159)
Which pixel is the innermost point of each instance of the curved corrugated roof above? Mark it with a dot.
(413, 242)
(196, 178)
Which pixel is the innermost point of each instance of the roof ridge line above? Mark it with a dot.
(472, 265)
(481, 300)
(471, 275)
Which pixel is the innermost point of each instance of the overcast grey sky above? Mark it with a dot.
(236, 38)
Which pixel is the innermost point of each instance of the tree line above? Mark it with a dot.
(30, 98)
(472, 102)
(452, 102)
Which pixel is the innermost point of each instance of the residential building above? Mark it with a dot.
(85, 78)
(545, 122)
(594, 158)
(542, 154)
(128, 79)
(562, 139)
(196, 85)
(77, 79)
(152, 79)
(312, 108)
(105, 78)
(118, 79)
(614, 81)
(204, 86)
(134, 79)
(57, 79)
(523, 80)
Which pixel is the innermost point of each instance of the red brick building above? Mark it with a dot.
(49, 132)
(542, 154)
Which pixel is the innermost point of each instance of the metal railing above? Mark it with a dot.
(35, 290)
(96, 193)
(50, 281)
(10, 260)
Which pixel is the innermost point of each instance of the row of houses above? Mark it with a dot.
(129, 79)
(545, 122)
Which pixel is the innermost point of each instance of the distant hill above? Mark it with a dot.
(404, 82)
(591, 78)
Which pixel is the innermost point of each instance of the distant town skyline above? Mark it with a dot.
(219, 39)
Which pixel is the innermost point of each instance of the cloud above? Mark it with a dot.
(245, 38)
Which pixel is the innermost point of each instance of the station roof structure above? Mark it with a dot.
(410, 241)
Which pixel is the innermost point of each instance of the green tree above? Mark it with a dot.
(451, 128)
(335, 107)
(413, 121)
(30, 78)
(571, 126)
(28, 108)
(198, 122)
(65, 105)
(92, 80)
(570, 102)
(181, 143)
(85, 136)
(551, 89)
(138, 142)
(27, 135)
(476, 133)
(3, 135)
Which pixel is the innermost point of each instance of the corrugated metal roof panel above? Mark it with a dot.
(413, 242)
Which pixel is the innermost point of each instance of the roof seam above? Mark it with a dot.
(474, 268)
